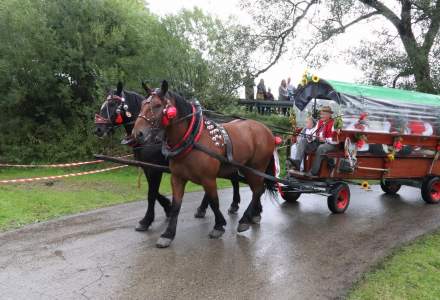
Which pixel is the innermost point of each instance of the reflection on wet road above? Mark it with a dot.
(300, 251)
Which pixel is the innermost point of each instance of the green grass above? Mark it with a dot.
(269, 120)
(27, 203)
(412, 272)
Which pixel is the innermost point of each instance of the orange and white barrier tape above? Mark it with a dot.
(66, 165)
(25, 180)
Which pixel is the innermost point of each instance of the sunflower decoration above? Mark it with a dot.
(365, 185)
(315, 78)
(391, 155)
(305, 78)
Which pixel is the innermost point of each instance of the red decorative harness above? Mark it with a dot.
(179, 150)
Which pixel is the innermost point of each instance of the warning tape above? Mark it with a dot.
(25, 180)
(66, 165)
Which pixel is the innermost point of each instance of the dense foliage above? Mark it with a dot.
(58, 59)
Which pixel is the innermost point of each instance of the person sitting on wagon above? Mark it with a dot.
(324, 132)
(307, 139)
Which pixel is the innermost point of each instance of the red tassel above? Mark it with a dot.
(119, 119)
(165, 121)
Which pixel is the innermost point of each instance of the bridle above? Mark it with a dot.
(121, 107)
(157, 122)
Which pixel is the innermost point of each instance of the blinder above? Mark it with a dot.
(168, 113)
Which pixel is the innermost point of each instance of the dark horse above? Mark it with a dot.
(185, 129)
(121, 108)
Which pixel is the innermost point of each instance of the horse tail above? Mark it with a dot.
(271, 186)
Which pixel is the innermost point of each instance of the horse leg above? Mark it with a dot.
(211, 193)
(163, 201)
(178, 185)
(153, 186)
(201, 210)
(252, 214)
(236, 198)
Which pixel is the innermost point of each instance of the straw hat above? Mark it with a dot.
(326, 109)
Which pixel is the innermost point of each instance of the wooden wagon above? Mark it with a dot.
(396, 156)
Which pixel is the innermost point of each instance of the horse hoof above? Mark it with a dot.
(233, 210)
(256, 219)
(243, 227)
(163, 242)
(141, 227)
(215, 233)
(200, 214)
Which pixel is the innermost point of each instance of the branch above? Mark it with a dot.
(283, 35)
(405, 13)
(404, 73)
(383, 10)
(433, 28)
(340, 29)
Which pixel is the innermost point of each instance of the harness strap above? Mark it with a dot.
(224, 160)
(227, 142)
(191, 136)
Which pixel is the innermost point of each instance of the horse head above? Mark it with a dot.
(159, 112)
(120, 108)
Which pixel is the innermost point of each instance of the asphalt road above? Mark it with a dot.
(299, 251)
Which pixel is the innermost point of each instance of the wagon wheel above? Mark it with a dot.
(390, 187)
(431, 190)
(287, 195)
(339, 198)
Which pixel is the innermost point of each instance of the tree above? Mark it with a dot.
(226, 47)
(57, 60)
(416, 24)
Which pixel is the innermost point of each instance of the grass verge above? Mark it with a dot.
(27, 203)
(412, 272)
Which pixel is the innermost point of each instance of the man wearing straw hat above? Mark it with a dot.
(324, 132)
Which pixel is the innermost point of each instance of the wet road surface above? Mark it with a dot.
(300, 251)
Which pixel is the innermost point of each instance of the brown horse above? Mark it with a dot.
(252, 142)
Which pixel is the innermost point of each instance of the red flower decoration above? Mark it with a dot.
(360, 144)
(398, 145)
(171, 112)
(278, 140)
(363, 116)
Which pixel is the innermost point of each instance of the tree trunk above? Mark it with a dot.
(418, 59)
(422, 75)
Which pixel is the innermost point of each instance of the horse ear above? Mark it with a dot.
(164, 87)
(145, 87)
(119, 88)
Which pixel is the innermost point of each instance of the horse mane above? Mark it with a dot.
(133, 97)
(184, 108)
(134, 102)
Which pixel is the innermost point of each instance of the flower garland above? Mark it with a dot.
(293, 123)
(360, 139)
